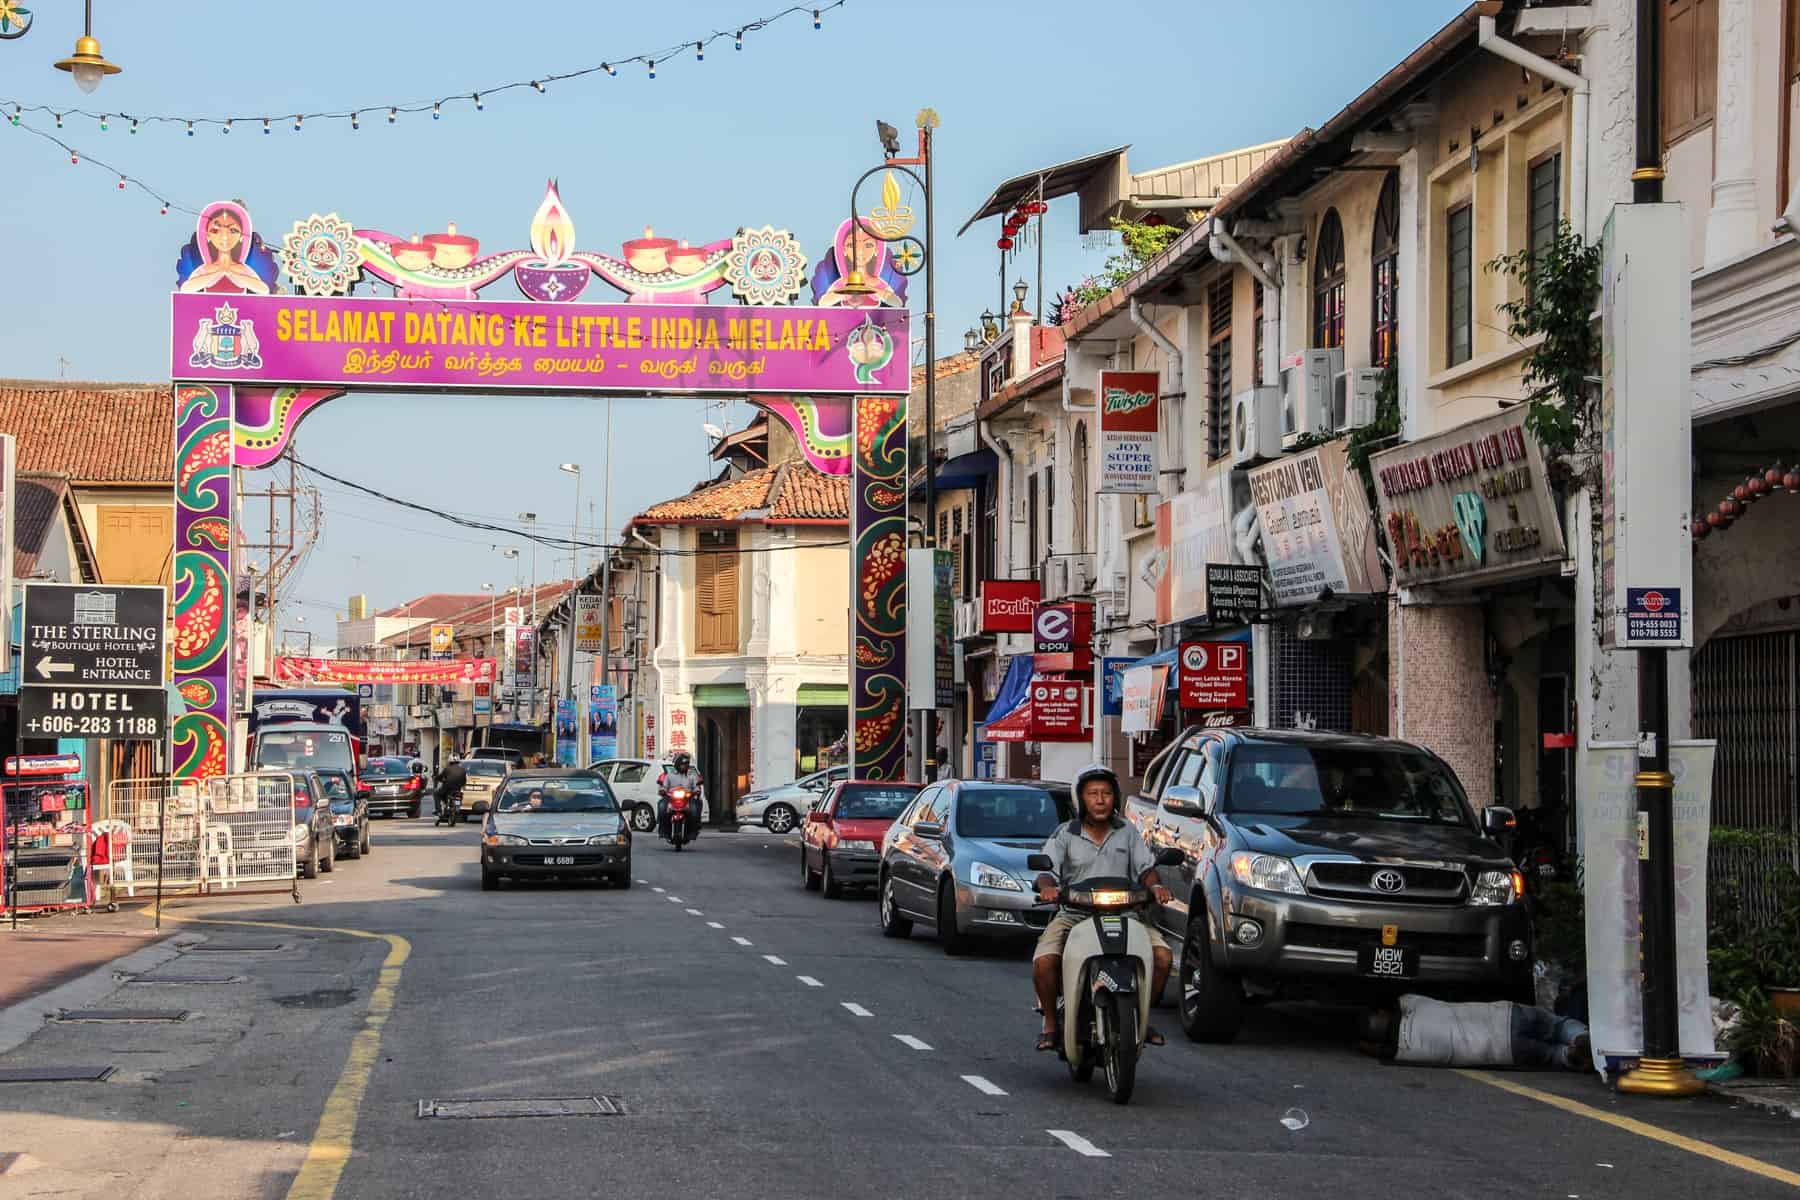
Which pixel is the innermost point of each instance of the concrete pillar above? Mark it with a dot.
(1440, 696)
(1731, 226)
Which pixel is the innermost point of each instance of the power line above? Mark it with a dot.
(475, 98)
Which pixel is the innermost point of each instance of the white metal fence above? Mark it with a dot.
(223, 834)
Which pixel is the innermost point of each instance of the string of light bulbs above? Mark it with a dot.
(476, 98)
(125, 178)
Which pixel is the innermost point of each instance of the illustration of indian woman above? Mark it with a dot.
(855, 244)
(225, 255)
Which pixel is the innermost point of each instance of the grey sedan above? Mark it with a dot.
(555, 824)
(955, 860)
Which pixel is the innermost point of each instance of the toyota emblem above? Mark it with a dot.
(1389, 880)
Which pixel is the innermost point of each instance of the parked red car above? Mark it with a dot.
(840, 844)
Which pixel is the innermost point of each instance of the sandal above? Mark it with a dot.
(1153, 1037)
(1046, 1042)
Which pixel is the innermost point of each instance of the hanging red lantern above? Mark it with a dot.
(1772, 477)
(1716, 520)
(1004, 243)
(1741, 492)
(1699, 529)
(1730, 507)
(1791, 481)
(1758, 485)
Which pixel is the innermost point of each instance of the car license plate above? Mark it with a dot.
(560, 860)
(1388, 962)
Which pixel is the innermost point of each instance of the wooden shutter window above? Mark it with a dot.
(716, 596)
(1690, 62)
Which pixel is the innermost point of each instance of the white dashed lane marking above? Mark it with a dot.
(983, 1085)
(809, 981)
(774, 961)
(857, 1010)
(908, 1040)
(1077, 1143)
(694, 912)
(743, 941)
(657, 890)
(715, 925)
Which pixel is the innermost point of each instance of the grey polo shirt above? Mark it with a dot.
(1078, 858)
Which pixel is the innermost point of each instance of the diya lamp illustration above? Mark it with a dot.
(450, 250)
(414, 255)
(649, 254)
(685, 259)
(552, 275)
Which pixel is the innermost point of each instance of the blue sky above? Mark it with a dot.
(772, 134)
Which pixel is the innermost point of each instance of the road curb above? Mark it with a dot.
(1753, 1097)
(23, 1018)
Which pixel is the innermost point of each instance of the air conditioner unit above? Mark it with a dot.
(1306, 377)
(1255, 425)
(1055, 575)
(1353, 395)
(968, 619)
(1081, 574)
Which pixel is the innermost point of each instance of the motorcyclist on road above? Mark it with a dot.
(451, 781)
(1098, 842)
(681, 774)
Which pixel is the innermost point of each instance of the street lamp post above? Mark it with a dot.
(908, 260)
(87, 64)
(530, 520)
(574, 583)
(488, 735)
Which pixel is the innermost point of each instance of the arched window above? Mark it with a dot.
(1385, 259)
(1079, 494)
(1328, 283)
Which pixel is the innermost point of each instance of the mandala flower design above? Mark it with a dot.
(765, 266)
(321, 256)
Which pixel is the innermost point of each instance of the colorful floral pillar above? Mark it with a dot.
(878, 601)
(203, 579)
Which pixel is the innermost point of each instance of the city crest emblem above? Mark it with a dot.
(226, 343)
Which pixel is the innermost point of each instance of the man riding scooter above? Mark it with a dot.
(680, 775)
(1097, 843)
(450, 792)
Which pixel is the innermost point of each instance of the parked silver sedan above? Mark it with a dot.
(955, 860)
(555, 823)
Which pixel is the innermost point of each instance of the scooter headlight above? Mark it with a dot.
(1108, 897)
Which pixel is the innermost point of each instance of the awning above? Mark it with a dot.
(1015, 726)
(721, 695)
(967, 470)
(1060, 180)
(1014, 688)
(823, 694)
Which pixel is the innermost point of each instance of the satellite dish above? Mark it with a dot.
(713, 431)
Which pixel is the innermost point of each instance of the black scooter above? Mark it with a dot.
(449, 809)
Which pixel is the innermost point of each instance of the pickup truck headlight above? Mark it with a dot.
(607, 839)
(504, 839)
(1266, 872)
(982, 875)
(1497, 887)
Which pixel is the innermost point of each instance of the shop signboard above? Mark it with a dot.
(443, 638)
(91, 661)
(1007, 605)
(1472, 503)
(1059, 711)
(8, 495)
(1317, 533)
(524, 650)
(1233, 593)
(1128, 463)
(1112, 678)
(589, 624)
(1141, 700)
(1062, 636)
(484, 698)
(1646, 428)
(1215, 675)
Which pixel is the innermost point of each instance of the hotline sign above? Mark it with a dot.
(1215, 675)
(1653, 616)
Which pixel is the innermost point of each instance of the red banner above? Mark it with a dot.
(350, 670)
(1059, 710)
(1007, 605)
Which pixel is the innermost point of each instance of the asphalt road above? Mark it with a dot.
(760, 1040)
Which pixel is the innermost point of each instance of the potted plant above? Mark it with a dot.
(1764, 1039)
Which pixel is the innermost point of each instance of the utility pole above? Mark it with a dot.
(1660, 1071)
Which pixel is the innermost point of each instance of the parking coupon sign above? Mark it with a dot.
(1653, 615)
(1215, 675)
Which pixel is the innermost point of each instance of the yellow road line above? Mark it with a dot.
(332, 1141)
(1655, 1133)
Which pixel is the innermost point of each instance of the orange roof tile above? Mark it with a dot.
(808, 494)
(794, 491)
(725, 501)
(92, 432)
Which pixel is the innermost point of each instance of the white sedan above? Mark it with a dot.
(633, 781)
